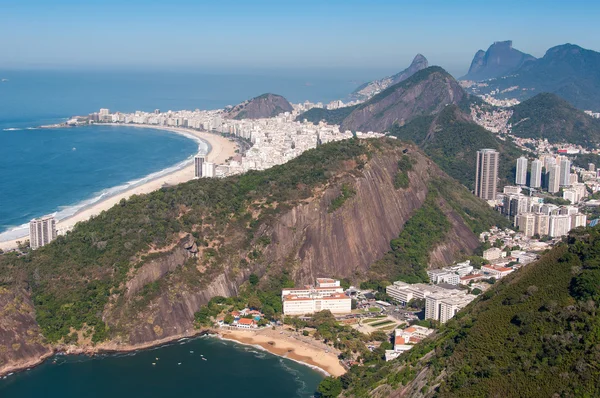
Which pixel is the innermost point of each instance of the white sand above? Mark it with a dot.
(221, 150)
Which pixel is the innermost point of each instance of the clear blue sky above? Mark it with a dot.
(367, 34)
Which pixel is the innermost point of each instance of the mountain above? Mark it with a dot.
(500, 59)
(534, 334)
(369, 89)
(138, 273)
(549, 116)
(427, 92)
(452, 140)
(567, 70)
(263, 106)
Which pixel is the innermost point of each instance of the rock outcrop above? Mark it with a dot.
(500, 59)
(263, 106)
(369, 89)
(425, 93)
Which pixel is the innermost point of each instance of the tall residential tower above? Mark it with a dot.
(42, 231)
(521, 176)
(536, 174)
(486, 174)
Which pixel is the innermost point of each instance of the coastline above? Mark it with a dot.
(219, 150)
(281, 345)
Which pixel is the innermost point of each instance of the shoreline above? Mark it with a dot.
(220, 149)
(282, 346)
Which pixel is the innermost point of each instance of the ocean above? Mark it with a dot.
(230, 370)
(45, 171)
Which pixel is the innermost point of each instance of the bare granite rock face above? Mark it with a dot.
(309, 241)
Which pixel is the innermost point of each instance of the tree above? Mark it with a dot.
(353, 304)
(268, 311)
(253, 279)
(330, 387)
(228, 319)
(476, 291)
(263, 322)
(254, 303)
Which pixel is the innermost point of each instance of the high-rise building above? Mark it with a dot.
(486, 174)
(559, 225)
(565, 172)
(554, 178)
(541, 224)
(198, 163)
(521, 175)
(208, 169)
(526, 223)
(42, 231)
(536, 174)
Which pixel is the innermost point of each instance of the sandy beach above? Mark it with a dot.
(305, 350)
(221, 150)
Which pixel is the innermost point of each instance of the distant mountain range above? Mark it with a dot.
(369, 89)
(567, 70)
(263, 106)
(500, 59)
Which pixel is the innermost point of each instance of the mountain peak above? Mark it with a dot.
(499, 59)
(264, 106)
(370, 89)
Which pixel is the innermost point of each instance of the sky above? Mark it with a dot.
(285, 34)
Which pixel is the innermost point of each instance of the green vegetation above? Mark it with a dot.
(405, 165)
(452, 140)
(73, 278)
(330, 116)
(409, 257)
(346, 193)
(549, 116)
(535, 333)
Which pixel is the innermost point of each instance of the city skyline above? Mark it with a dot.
(267, 34)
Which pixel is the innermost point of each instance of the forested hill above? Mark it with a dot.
(138, 273)
(452, 139)
(536, 333)
(548, 116)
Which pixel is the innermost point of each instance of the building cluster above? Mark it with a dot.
(405, 339)
(327, 294)
(42, 231)
(244, 319)
(274, 140)
(442, 301)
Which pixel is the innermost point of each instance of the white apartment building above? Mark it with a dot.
(559, 225)
(208, 169)
(554, 178)
(442, 306)
(443, 276)
(326, 295)
(42, 231)
(536, 174)
(526, 223)
(541, 224)
(521, 175)
(493, 253)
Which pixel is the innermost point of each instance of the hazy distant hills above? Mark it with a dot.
(567, 70)
(500, 59)
(369, 89)
(548, 116)
(427, 92)
(263, 106)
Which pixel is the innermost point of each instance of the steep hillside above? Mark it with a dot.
(330, 116)
(425, 93)
(500, 59)
(534, 334)
(549, 116)
(369, 89)
(263, 106)
(452, 139)
(567, 70)
(136, 274)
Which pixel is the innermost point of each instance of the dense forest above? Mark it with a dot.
(330, 116)
(536, 333)
(451, 139)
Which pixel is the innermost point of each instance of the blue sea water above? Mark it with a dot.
(230, 370)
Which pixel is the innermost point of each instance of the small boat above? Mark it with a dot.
(201, 355)
(204, 359)
(178, 363)
(157, 358)
(191, 352)
(153, 363)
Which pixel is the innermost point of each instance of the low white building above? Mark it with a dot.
(497, 272)
(442, 306)
(326, 295)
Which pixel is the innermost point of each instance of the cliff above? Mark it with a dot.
(263, 106)
(500, 59)
(369, 89)
(136, 274)
(425, 93)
